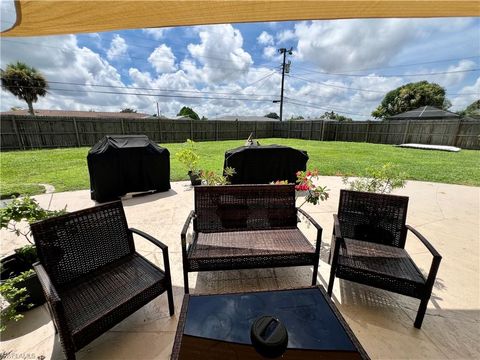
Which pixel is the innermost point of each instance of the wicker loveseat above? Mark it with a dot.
(368, 247)
(91, 274)
(247, 226)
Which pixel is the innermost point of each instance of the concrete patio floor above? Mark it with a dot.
(448, 215)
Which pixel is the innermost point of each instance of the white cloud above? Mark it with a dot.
(221, 53)
(456, 73)
(265, 38)
(350, 44)
(286, 35)
(162, 59)
(118, 47)
(467, 95)
(60, 59)
(269, 52)
(217, 62)
(156, 33)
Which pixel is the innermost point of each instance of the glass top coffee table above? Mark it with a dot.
(218, 326)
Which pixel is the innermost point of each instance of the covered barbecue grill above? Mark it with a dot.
(264, 164)
(119, 164)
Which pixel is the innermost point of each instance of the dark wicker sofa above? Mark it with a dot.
(247, 226)
(368, 247)
(91, 274)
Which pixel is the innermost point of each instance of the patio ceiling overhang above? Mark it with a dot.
(47, 17)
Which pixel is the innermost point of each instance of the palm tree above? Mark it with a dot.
(25, 82)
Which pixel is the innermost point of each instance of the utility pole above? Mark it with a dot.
(158, 111)
(284, 51)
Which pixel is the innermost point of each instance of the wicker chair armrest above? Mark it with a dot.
(183, 234)
(309, 218)
(337, 241)
(51, 293)
(437, 258)
(150, 238)
(424, 241)
(55, 306)
(318, 242)
(166, 259)
(337, 231)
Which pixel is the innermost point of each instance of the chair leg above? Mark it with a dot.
(171, 305)
(330, 282)
(421, 312)
(315, 272)
(185, 281)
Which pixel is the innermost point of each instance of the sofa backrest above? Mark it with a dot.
(73, 245)
(244, 207)
(378, 218)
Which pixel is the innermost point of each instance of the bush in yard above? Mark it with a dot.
(381, 179)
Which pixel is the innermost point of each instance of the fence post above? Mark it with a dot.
(457, 131)
(76, 132)
(323, 128)
(19, 138)
(255, 130)
(159, 129)
(191, 129)
(237, 129)
(289, 128)
(336, 131)
(123, 126)
(311, 129)
(368, 131)
(216, 130)
(405, 134)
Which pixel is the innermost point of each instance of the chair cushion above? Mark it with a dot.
(250, 243)
(380, 260)
(102, 300)
(248, 249)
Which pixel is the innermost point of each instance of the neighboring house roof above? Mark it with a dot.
(243, 118)
(67, 113)
(425, 112)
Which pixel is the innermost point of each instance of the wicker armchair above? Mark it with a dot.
(91, 275)
(368, 247)
(244, 227)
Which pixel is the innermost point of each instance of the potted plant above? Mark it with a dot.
(19, 284)
(188, 157)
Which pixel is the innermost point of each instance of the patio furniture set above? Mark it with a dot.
(93, 278)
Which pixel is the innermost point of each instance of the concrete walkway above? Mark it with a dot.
(448, 215)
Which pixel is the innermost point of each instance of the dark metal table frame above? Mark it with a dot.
(177, 346)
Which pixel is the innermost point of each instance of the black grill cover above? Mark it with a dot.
(119, 164)
(264, 164)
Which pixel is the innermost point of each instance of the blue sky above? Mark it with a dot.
(234, 69)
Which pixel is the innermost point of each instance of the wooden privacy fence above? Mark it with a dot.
(25, 132)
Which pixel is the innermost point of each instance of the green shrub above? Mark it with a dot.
(188, 156)
(15, 296)
(381, 179)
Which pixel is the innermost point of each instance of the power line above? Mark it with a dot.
(151, 95)
(391, 75)
(322, 106)
(335, 86)
(256, 82)
(315, 106)
(130, 56)
(151, 89)
(322, 83)
(410, 64)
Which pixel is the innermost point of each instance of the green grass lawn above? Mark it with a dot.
(66, 169)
